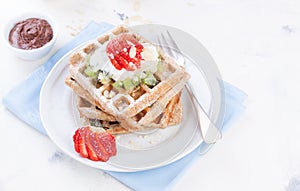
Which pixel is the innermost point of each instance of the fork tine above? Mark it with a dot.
(164, 45)
(159, 42)
(173, 41)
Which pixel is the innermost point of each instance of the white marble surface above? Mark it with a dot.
(256, 46)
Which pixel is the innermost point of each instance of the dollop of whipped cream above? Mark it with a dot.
(99, 61)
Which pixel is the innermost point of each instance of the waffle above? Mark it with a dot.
(139, 108)
(92, 114)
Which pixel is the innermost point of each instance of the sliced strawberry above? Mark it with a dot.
(81, 139)
(89, 147)
(76, 140)
(125, 56)
(119, 48)
(102, 154)
(97, 146)
(107, 146)
(123, 62)
(116, 64)
(109, 143)
(135, 60)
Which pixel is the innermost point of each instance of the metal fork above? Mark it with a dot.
(211, 134)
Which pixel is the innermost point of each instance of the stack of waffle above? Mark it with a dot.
(140, 108)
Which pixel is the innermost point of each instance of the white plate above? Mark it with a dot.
(137, 152)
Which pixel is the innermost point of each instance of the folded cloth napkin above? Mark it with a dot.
(23, 101)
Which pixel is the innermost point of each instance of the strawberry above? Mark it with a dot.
(116, 64)
(81, 143)
(101, 151)
(76, 140)
(90, 149)
(108, 143)
(94, 145)
(123, 62)
(118, 51)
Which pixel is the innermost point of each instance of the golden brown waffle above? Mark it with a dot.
(90, 113)
(138, 108)
(91, 116)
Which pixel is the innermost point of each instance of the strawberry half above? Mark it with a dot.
(94, 145)
(124, 51)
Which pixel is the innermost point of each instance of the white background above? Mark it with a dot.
(256, 46)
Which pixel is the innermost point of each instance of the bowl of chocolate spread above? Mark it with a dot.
(31, 36)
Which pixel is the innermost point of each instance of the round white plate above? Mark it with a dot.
(137, 152)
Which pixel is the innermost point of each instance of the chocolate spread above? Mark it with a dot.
(31, 33)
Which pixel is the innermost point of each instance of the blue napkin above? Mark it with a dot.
(23, 101)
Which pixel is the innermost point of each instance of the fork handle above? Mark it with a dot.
(210, 133)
